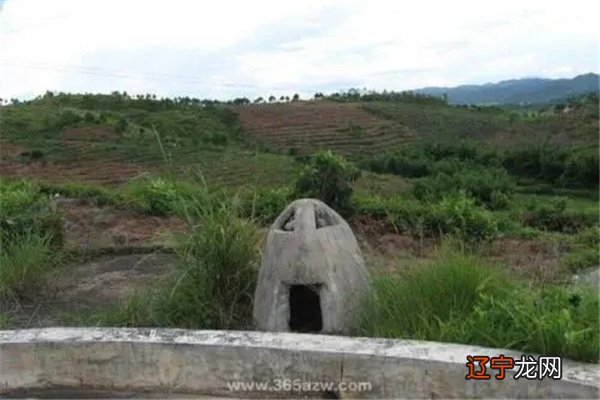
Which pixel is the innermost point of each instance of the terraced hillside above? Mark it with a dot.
(54, 141)
(111, 139)
(363, 128)
(305, 127)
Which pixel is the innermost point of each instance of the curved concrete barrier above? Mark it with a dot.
(67, 362)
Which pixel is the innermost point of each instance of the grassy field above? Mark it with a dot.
(158, 207)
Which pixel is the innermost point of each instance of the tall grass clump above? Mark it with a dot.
(457, 298)
(213, 285)
(419, 303)
(24, 267)
(559, 321)
(157, 195)
(217, 273)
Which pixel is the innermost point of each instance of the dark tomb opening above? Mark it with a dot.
(305, 308)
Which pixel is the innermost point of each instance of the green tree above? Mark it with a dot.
(328, 177)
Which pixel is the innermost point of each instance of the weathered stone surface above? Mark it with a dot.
(172, 362)
(311, 246)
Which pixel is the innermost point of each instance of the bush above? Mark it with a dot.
(37, 154)
(457, 215)
(582, 258)
(328, 177)
(217, 138)
(162, 196)
(490, 187)
(584, 250)
(460, 216)
(554, 217)
(569, 166)
(89, 118)
(66, 119)
(24, 211)
(157, 196)
(265, 205)
(101, 195)
(458, 299)
(121, 125)
(16, 197)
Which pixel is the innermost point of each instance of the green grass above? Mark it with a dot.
(4, 320)
(214, 283)
(459, 299)
(438, 122)
(583, 258)
(24, 266)
(457, 214)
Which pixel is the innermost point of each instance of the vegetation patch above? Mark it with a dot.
(214, 283)
(459, 299)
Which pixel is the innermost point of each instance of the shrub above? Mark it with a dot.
(266, 204)
(89, 118)
(400, 164)
(460, 216)
(584, 251)
(101, 195)
(457, 215)
(568, 166)
(156, 195)
(490, 187)
(24, 211)
(328, 177)
(217, 138)
(16, 197)
(554, 217)
(36, 154)
(66, 119)
(582, 258)
(121, 125)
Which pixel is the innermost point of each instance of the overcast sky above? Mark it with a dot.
(224, 49)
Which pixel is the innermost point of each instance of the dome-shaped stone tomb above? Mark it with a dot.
(312, 276)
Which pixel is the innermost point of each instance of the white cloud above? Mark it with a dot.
(256, 48)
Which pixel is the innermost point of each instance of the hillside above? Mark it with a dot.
(111, 139)
(518, 91)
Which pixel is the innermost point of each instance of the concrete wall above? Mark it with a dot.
(165, 361)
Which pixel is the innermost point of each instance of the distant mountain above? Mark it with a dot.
(518, 91)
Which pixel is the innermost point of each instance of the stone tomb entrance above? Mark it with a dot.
(305, 308)
(312, 276)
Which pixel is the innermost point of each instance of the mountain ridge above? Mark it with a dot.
(518, 91)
